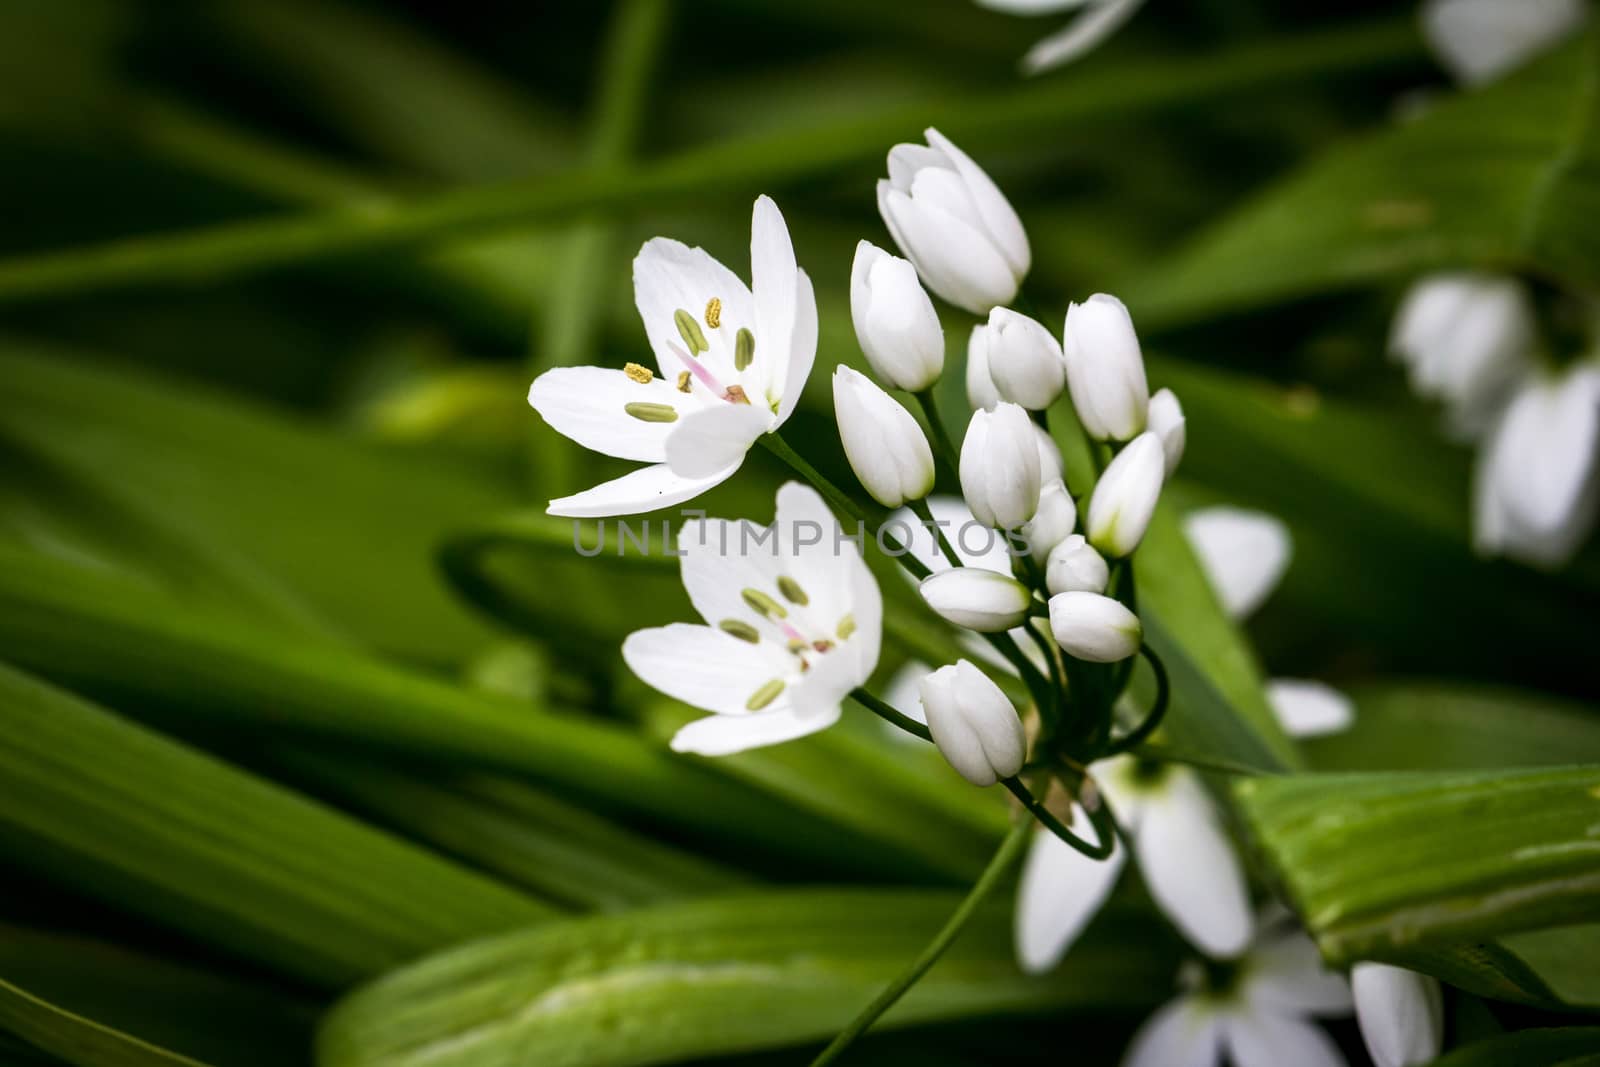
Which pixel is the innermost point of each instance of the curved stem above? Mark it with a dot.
(1158, 710)
(942, 445)
(888, 714)
(1008, 853)
(1100, 818)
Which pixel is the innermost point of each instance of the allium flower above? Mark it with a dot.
(793, 624)
(731, 362)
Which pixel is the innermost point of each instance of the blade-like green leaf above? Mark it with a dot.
(1471, 182)
(1416, 726)
(1564, 959)
(76, 1039)
(155, 828)
(1379, 864)
(716, 976)
(1574, 1046)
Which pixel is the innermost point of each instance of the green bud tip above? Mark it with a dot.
(744, 348)
(652, 412)
(742, 630)
(792, 592)
(690, 331)
(761, 602)
(765, 695)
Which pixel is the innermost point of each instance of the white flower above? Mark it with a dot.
(1093, 627)
(1166, 421)
(1478, 40)
(1053, 522)
(1098, 20)
(1308, 708)
(952, 221)
(1182, 852)
(1124, 499)
(885, 446)
(1024, 361)
(1261, 1019)
(1000, 475)
(1075, 567)
(973, 723)
(731, 360)
(793, 624)
(1244, 554)
(1105, 369)
(977, 599)
(1050, 465)
(895, 322)
(1536, 484)
(1401, 1014)
(1465, 340)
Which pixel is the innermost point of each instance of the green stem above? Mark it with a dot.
(920, 509)
(1005, 856)
(1100, 818)
(941, 438)
(1158, 710)
(889, 715)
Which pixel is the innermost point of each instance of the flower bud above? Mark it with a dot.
(895, 322)
(977, 599)
(1000, 467)
(1024, 360)
(950, 219)
(885, 446)
(1401, 1014)
(1075, 567)
(1051, 469)
(981, 391)
(1166, 421)
(1105, 370)
(1056, 518)
(1125, 496)
(1093, 627)
(973, 723)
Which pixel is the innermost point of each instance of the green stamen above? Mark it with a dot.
(792, 592)
(847, 626)
(652, 412)
(761, 602)
(744, 348)
(765, 695)
(742, 630)
(690, 331)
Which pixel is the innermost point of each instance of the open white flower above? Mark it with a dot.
(793, 624)
(1261, 1018)
(1478, 40)
(1097, 20)
(1182, 851)
(731, 362)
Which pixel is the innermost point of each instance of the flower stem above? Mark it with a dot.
(889, 715)
(941, 437)
(920, 509)
(1005, 856)
(1104, 825)
(1158, 710)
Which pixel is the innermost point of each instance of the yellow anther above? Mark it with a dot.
(714, 312)
(683, 381)
(640, 374)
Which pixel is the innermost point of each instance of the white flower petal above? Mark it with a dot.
(1182, 1033)
(705, 667)
(588, 405)
(975, 545)
(669, 276)
(1401, 1014)
(803, 346)
(1191, 868)
(1262, 1040)
(714, 437)
(952, 256)
(1308, 708)
(1032, 7)
(820, 691)
(723, 735)
(1060, 891)
(645, 489)
(1244, 554)
(999, 218)
(773, 281)
(1286, 976)
(720, 558)
(1082, 35)
(813, 551)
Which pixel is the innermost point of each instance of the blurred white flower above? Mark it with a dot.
(1124, 499)
(1400, 1012)
(973, 724)
(1536, 483)
(886, 448)
(895, 322)
(732, 362)
(1105, 369)
(1478, 40)
(793, 624)
(977, 599)
(999, 467)
(1262, 1019)
(1183, 854)
(1096, 22)
(1094, 627)
(1308, 708)
(1024, 360)
(952, 221)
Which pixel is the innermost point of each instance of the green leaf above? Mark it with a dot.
(1415, 726)
(76, 1039)
(1471, 182)
(740, 973)
(1564, 959)
(1382, 864)
(158, 829)
(1572, 1046)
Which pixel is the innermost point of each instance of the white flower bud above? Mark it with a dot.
(1075, 567)
(973, 723)
(1000, 467)
(1401, 1014)
(977, 599)
(1024, 360)
(895, 322)
(1166, 421)
(981, 393)
(1125, 497)
(885, 446)
(1105, 369)
(1056, 518)
(950, 219)
(1094, 627)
